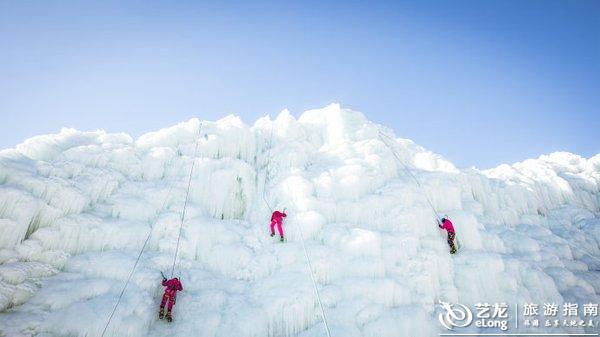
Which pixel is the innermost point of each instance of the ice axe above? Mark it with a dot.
(438, 220)
(164, 277)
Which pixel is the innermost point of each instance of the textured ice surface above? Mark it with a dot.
(76, 207)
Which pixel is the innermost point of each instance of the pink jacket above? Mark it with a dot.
(278, 216)
(172, 286)
(447, 225)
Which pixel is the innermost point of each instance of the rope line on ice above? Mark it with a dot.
(547, 215)
(314, 282)
(267, 171)
(407, 169)
(582, 250)
(187, 194)
(136, 262)
(312, 277)
(148, 238)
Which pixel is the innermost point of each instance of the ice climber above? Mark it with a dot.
(277, 218)
(172, 286)
(447, 225)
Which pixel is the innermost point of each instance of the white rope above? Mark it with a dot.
(126, 283)
(407, 169)
(583, 250)
(153, 222)
(187, 194)
(267, 172)
(308, 262)
(547, 215)
(310, 271)
(314, 282)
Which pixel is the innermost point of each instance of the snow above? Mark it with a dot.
(76, 208)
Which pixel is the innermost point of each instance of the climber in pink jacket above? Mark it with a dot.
(277, 218)
(449, 227)
(172, 286)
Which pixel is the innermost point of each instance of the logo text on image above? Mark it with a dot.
(456, 316)
(488, 316)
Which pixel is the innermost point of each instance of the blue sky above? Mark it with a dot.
(480, 82)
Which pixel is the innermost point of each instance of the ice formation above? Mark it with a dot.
(76, 207)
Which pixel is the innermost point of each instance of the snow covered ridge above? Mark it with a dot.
(76, 207)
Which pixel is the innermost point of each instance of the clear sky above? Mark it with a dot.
(480, 82)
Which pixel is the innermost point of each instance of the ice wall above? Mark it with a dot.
(76, 207)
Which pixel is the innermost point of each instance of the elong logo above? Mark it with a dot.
(456, 316)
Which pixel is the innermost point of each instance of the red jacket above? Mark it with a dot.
(278, 216)
(172, 286)
(447, 225)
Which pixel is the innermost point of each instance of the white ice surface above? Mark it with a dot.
(76, 207)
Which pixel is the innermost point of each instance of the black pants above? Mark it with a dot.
(451, 236)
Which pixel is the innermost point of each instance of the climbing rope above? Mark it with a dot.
(547, 215)
(312, 277)
(187, 194)
(267, 172)
(581, 249)
(148, 238)
(310, 269)
(407, 169)
(314, 282)
(153, 222)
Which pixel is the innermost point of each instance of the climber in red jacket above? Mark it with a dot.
(172, 286)
(449, 227)
(277, 218)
